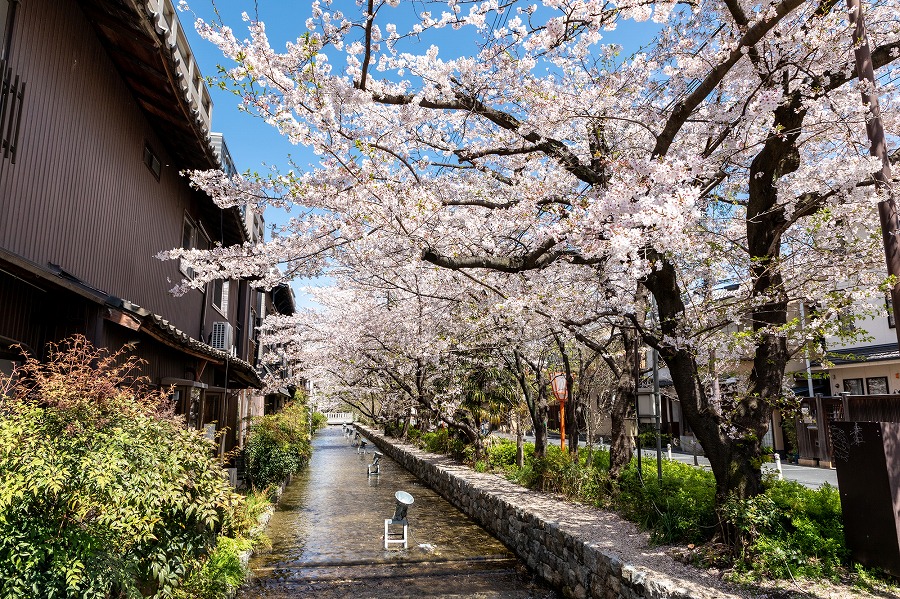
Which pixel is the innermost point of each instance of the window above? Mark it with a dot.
(854, 386)
(12, 87)
(7, 12)
(188, 242)
(877, 385)
(220, 293)
(889, 306)
(151, 160)
(192, 237)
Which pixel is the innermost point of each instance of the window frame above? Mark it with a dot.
(6, 29)
(195, 239)
(151, 159)
(219, 296)
(887, 388)
(861, 382)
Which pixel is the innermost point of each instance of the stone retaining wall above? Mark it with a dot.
(583, 551)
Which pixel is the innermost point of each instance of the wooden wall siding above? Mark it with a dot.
(79, 194)
(875, 408)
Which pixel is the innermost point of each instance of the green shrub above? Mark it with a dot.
(789, 530)
(221, 573)
(413, 434)
(319, 420)
(102, 491)
(437, 441)
(600, 458)
(680, 508)
(502, 453)
(648, 437)
(277, 445)
(558, 472)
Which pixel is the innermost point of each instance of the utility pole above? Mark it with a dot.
(887, 209)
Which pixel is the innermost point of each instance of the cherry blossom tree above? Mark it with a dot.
(732, 149)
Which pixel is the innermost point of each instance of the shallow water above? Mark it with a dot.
(327, 538)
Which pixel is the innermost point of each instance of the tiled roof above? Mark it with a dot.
(185, 340)
(868, 353)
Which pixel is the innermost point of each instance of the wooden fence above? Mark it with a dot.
(817, 413)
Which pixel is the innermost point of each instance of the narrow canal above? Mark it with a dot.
(327, 538)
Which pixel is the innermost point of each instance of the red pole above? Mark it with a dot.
(562, 425)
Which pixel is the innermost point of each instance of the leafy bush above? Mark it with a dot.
(221, 573)
(413, 434)
(600, 458)
(277, 445)
(502, 453)
(437, 441)
(102, 491)
(789, 530)
(648, 437)
(558, 472)
(442, 441)
(319, 420)
(681, 507)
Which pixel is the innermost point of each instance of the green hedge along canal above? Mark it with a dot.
(327, 538)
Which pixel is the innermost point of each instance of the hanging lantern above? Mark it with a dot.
(559, 386)
(560, 392)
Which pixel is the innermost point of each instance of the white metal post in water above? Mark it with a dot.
(404, 500)
(387, 538)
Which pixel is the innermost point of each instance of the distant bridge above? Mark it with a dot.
(339, 417)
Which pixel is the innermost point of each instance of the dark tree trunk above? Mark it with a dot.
(520, 443)
(620, 451)
(538, 410)
(734, 448)
(535, 399)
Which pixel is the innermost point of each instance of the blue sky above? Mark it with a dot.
(255, 145)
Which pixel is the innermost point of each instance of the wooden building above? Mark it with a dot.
(101, 107)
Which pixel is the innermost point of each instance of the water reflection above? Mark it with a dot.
(327, 538)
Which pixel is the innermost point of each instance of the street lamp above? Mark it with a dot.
(560, 389)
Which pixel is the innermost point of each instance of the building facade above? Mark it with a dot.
(101, 109)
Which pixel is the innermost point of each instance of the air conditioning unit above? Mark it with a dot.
(222, 336)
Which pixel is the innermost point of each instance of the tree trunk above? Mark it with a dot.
(520, 442)
(538, 411)
(536, 400)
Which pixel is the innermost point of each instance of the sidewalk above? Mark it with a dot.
(808, 476)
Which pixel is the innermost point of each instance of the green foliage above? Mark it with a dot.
(600, 459)
(102, 491)
(277, 445)
(648, 437)
(789, 530)
(681, 507)
(558, 472)
(442, 440)
(437, 441)
(502, 453)
(319, 420)
(221, 572)
(413, 434)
